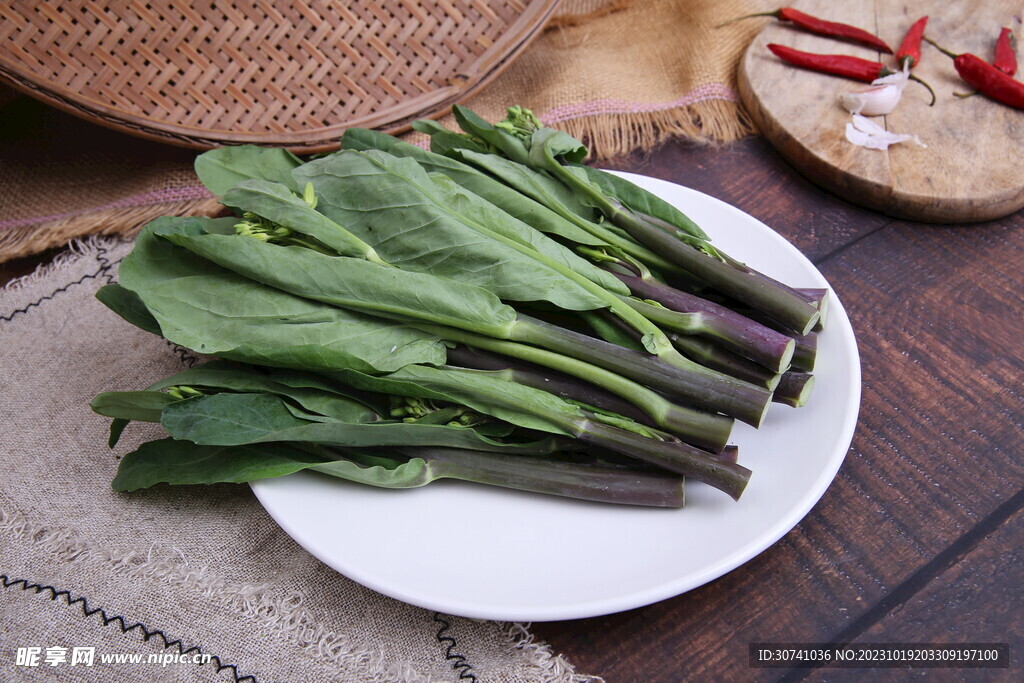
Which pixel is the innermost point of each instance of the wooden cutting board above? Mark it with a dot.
(973, 167)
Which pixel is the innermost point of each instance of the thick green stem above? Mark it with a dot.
(716, 358)
(693, 426)
(690, 382)
(559, 384)
(806, 352)
(710, 356)
(721, 326)
(555, 477)
(820, 299)
(794, 389)
(732, 278)
(673, 456)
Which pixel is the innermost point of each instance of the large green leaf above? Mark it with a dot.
(222, 168)
(509, 200)
(351, 283)
(214, 311)
(129, 306)
(427, 223)
(313, 393)
(509, 145)
(489, 393)
(180, 462)
(277, 203)
(442, 140)
(143, 406)
(229, 419)
(316, 395)
(532, 183)
(639, 199)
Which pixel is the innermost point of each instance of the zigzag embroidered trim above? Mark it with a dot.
(147, 633)
(459, 662)
(103, 272)
(282, 612)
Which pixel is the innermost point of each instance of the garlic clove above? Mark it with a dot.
(877, 100)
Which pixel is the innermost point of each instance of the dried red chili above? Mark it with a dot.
(986, 79)
(1006, 54)
(821, 27)
(837, 65)
(910, 49)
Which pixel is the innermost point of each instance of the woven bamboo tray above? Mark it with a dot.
(292, 74)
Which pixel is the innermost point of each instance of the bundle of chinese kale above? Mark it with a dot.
(489, 310)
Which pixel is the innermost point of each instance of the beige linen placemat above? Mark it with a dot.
(172, 570)
(623, 75)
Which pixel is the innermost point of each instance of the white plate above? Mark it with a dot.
(490, 553)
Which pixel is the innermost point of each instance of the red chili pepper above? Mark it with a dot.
(986, 79)
(840, 65)
(822, 27)
(1006, 54)
(910, 48)
(837, 65)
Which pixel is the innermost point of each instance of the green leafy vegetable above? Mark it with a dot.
(182, 462)
(390, 316)
(222, 168)
(214, 311)
(508, 199)
(277, 203)
(427, 223)
(129, 306)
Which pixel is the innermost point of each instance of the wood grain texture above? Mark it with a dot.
(937, 315)
(976, 598)
(971, 170)
(749, 172)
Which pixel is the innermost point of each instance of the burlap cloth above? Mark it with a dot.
(204, 569)
(623, 75)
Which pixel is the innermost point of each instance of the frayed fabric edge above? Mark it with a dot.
(610, 136)
(26, 240)
(284, 615)
(88, 248)
(538, 653)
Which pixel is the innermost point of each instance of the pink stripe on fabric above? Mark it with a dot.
(174, 194)
(712, 91)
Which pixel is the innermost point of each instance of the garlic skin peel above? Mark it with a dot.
(866, 133)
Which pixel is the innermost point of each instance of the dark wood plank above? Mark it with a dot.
(15, 268)
(977, 599)
(937, 314)
(751, 176)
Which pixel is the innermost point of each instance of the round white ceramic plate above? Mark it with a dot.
(491, 553)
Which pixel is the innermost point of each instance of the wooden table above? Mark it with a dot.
(919, 539)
